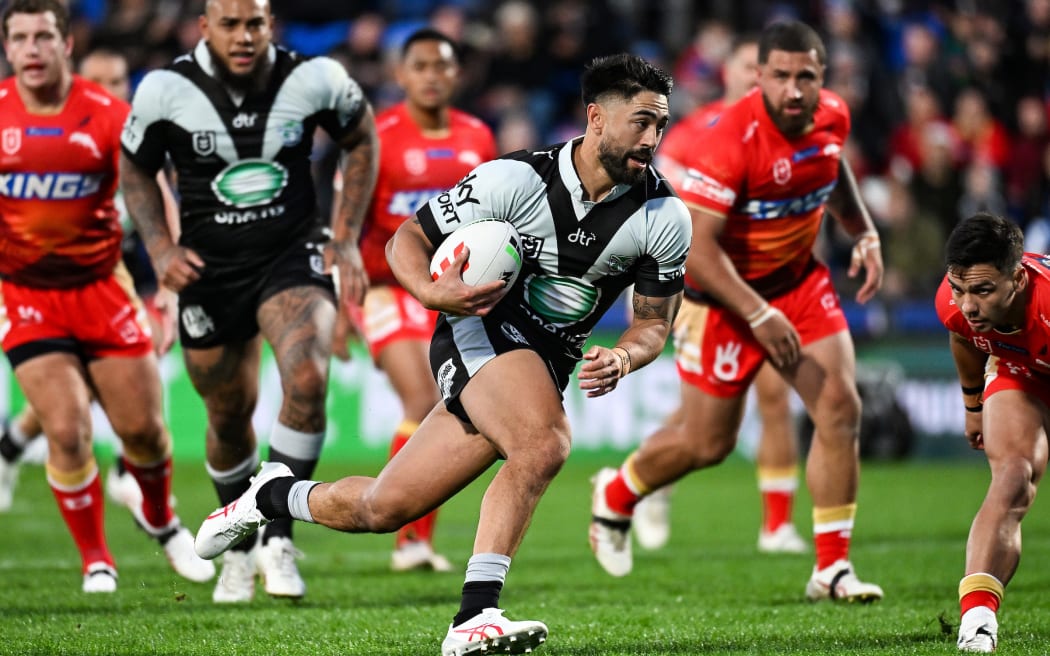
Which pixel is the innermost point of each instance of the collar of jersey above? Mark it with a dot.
(572, 182)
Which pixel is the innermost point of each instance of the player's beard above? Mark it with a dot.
(614, 160)
(790, 126)
(252, 81)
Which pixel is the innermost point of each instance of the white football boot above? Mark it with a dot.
(783, 540)
(610, 532)
(490, 632)
(276, 562)
(978, 631)
(233, 522)
(838, 583)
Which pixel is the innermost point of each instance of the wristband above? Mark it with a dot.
(624, 356)
(765, 316)
(974, 408)
(976, 389)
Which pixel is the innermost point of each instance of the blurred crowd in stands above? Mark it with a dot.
(949, 99)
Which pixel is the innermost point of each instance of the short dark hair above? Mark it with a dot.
(985, 239)
(624, 75)
(428, 34)
(790, 36)
(56, 7)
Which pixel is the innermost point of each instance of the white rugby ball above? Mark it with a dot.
(495, 252)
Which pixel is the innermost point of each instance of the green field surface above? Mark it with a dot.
(707, 592)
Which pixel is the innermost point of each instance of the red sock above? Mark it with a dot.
(155, 482)
(978, 598)
(619, 497)
(831, 546)
(776, 509)
(82, 509)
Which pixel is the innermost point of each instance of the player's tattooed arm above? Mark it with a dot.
(145, 203)
(359, 171)
(174, 265)
(650, 328)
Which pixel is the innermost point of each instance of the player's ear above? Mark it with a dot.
(1020, 279)
(596, 117)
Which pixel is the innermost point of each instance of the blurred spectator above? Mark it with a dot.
(937, 185)
(142, 30)
(911, 238)
(925, 65)
(516, 132)
(1024, 170)
(922, 114)
(518, 67)
(982, 191)
(983, 138)
(362, 54)
(698, 70)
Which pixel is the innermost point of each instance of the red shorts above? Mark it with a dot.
(100, 319)
(1005, 375)
(716, 351)
(391, 314)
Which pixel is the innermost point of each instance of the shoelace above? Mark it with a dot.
(285, 559)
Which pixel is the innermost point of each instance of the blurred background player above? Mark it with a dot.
(237, 117)
(108, 69)
(994, 300)
(777, 454)
(426, 148)
(757, 191)
(75, 322)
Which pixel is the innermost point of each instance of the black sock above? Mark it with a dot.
(228, 493)
(9, 450)
(477, 596)
(273, 499)
(303, 470)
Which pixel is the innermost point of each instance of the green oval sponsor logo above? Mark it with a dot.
(560, 299)
(250, 182)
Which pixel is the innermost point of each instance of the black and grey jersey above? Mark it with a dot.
(243, 161)
(578, 255)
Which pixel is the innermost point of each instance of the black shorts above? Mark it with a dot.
(461, 345)
(222, 307)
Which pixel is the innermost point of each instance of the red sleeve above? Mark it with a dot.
(717, 168)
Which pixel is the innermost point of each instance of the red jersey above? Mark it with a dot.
(1027, 349)
(772, 189)
(414, 168)
(58, 173)
(680, 142)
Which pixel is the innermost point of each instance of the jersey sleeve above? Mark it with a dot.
(140, 138)
(661, 272)
(491, 190)
(715, 172)
(342, 102)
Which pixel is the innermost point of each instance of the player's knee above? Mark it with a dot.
(1016, 477)
(544, 451)
(142, 433)
(306, 387)
(708, 452)
(230, 413)
(68, 436)
(839, 412)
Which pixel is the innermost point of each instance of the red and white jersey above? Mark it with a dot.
(772, 189)
(1025, 351)
(58, 173)
(414, 168)
(681, 141)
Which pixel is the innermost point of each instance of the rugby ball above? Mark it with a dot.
(495, 252)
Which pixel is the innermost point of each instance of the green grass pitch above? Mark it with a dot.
(707, 592)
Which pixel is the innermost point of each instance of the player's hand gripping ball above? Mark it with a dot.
(495, 252)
